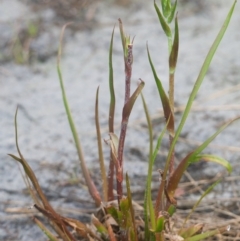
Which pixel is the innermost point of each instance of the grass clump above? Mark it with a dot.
(117, 217)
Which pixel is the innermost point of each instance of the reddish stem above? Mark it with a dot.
(110, 179)
(171, 102)
(128, 73)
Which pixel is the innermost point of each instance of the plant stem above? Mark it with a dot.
(160, 199)
(100, 151)
(171, 102)
(110, 176)
(120, 157)
(128, 74)
(110, 179)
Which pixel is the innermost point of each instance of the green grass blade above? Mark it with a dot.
(210, 139)
(100, 151)
(191, 231)
(129, 105)
(145, 213)
(174, 52)
(111, 89)
(216, 159)
(173, 10)
(166, 7)
(45, 230)
(162, 21)
(99, 226)
(159, 142)
(123, 38)
(91, 187)
(129, 195)
(148, 206)
(111, 120)
(166, 28)
(208, 234)
(160, 224)
(114, 144)
(164, 99)
(200, 199)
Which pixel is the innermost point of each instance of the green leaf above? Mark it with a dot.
(125, 39)
(124, 216)
(191, 231)
(91, 187)
(167, 11)
(124, 205)
(173, 10)
(100, 227)
(129, 105)
(100, 151)
(171, 210)
(113, 143)
(111, 120)
(164, 3)
(113, 212)
(159, 141)
(45, 230)
(199, 200)
(216, 159)
(208, 234)
(132, 221)
(148, 206)
(209, 140)
(166, 7)
(160, 224)
(174, 52)
(162, 21)
(164, 99)
(111, 89)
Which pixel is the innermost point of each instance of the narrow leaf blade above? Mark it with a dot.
(100, 150)
(174, 52)
(164, 99)
(111, 118)
(45, 230)
(173, 10)
(208, 234)
(129, 105)
(148, 206)
(91, 187)
(129, 195)
(162, 21)
(215, 159)
(200, 199)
